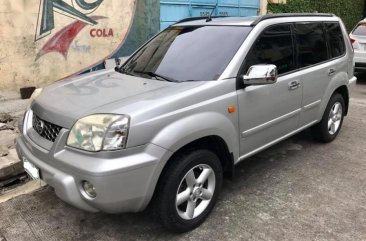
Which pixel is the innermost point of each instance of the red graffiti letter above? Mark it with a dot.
(110, 32)
(92, 32)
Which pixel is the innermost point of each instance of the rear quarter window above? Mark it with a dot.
(336, 40)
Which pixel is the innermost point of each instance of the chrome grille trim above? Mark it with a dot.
(45, 129)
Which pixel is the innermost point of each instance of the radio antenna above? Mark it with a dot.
(209, 19)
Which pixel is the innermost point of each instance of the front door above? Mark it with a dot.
(269, 112)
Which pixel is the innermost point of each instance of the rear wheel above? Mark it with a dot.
(328, 128)
(189, 190)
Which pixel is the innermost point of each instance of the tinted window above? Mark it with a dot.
(274, 46)
(311, 44)
(188, 53)
(335, 38)
(360, 29)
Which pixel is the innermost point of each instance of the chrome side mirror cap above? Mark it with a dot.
(262, 74)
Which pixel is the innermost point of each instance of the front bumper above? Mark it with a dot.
(124, 180)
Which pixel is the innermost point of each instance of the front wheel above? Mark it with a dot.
(189, 190)
(328, 128)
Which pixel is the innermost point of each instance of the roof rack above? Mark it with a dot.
(282, 15)
(196, 18)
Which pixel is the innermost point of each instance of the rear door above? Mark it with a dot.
(315, 64)
(269, 112)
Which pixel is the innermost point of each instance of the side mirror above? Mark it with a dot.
(262, 74)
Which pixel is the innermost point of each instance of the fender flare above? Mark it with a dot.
(177, 135)
(336, 82)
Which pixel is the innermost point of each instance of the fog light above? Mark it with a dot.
(89, 189)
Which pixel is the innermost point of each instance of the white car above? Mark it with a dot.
(358, 40)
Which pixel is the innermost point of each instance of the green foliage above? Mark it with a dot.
(351, 11)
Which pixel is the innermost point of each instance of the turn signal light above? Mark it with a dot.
(231, 109)
(352, 40)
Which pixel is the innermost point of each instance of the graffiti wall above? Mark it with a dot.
(46, 40)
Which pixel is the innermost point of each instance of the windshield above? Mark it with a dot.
(193, 53)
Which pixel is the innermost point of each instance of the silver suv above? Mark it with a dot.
(184, 109)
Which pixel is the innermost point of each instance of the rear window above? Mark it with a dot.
(311, 44)
(360, 29)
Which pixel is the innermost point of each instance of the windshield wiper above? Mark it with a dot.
(153, 74)
(123, 71)
(192, 80)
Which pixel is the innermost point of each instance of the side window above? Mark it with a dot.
(311, 44)
(274, 46)
(335, 38)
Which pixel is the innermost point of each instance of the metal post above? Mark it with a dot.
(263, 7)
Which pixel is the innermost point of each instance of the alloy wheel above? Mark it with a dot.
(335, 118)
(195, 191)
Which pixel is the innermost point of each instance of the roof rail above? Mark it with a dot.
(282, 15)
(196, 18)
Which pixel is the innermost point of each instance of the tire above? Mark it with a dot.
(330, 125)
(177, 178)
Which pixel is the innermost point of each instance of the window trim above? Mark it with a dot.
(239, 83)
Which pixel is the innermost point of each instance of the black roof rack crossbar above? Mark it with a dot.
(281, 15)
(196, 18)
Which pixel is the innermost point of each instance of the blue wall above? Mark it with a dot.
(148, 12)
(174, 10)
(154, 15)
(145, 25)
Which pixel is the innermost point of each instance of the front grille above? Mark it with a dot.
(45, 129)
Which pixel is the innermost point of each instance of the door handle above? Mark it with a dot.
(293, 85)
(331, 72)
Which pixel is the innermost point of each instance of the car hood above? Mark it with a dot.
(106, 91)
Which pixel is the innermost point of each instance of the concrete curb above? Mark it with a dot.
(10, 165)
(11, 109)
(27, 188)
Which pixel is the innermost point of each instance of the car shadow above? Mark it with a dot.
(361, 78)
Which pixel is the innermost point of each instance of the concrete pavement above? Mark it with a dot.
(11, 109)
(296, 190)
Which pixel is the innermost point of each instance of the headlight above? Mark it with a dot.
(99, 132)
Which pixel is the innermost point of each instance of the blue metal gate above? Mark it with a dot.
(174, 10)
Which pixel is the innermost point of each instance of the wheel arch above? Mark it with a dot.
(340, 88)
(214, 143)
(343, 90)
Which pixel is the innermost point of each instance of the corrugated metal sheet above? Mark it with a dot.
(174, 10)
